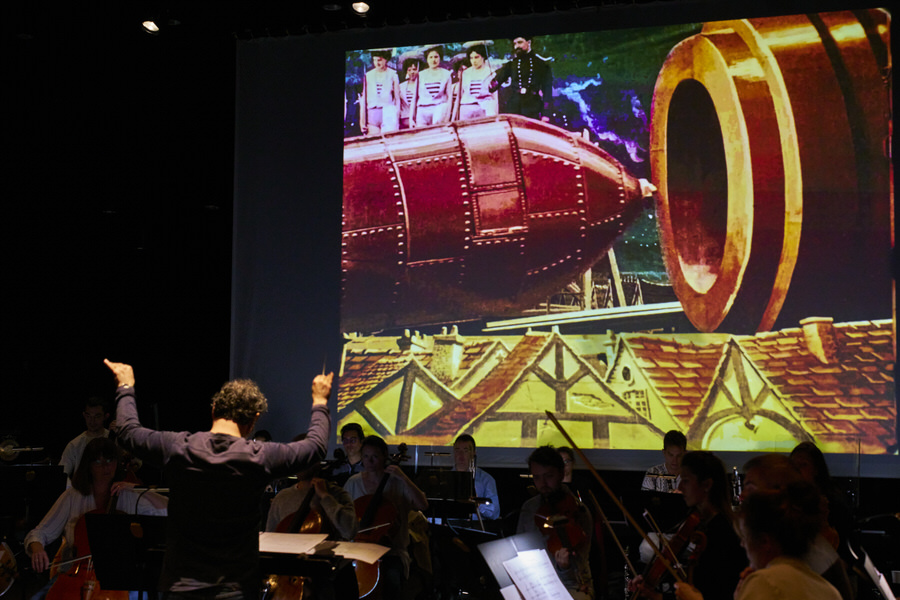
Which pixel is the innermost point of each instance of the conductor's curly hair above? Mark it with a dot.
(239, 400)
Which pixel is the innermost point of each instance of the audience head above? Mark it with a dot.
(547, 469)
(704, 482)
(674, 447)
(810, 463)
(99, 461)
(780, 522)
(239, 400)
(464, 452)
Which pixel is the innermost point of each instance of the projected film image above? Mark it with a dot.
(683, 227)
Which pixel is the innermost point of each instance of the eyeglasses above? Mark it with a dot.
(349, 440)
(104, 461)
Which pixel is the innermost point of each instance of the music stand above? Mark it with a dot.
(127, 550)
(449, 493)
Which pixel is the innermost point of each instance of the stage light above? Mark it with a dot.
(361, 7)
(150, 27)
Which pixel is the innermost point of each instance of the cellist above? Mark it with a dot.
(327, 508)
(555, 503)
(714, 571)
(403, 494)
(94, 486)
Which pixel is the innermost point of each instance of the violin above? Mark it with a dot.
(682, 549)
(556, 519)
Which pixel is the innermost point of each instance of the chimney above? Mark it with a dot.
(448, 352)
(818, 333)
(411, 341)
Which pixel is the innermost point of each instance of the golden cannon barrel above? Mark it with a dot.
(473, 218)
(770, 146)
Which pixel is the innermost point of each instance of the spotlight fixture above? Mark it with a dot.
(157, 24)
(361, 8)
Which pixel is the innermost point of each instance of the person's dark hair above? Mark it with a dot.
(791, 516)
(567, 451)
(438, 49)
(776, 470)
(822, 476)
(95, 401)
(707, 466)
(675, 438)
(385, 54)
(239, 400)
(373, 441)
(527, 38)
(410, 62)
(465, 437)
(546, 456)
(97, 448)
(353, 427)
(479, 49)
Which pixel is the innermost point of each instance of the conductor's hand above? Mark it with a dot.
(39, 559)
(321, 388)
(124, 373)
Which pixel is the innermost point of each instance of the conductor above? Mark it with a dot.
(217, 478)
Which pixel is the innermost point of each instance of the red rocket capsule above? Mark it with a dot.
(474, 218)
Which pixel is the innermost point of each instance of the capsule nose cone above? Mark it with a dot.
(474, 218)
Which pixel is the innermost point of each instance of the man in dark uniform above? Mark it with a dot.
(531, 87)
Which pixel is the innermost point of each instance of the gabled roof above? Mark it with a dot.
(681, 372)
(848, 401)
(452, 418)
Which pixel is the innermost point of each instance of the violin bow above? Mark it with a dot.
(663, 540)
(615, 499)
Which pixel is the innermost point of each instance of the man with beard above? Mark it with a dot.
(554, 508)
(531, 83)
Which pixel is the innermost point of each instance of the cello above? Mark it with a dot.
(378, 523)
(305, 519)
(81, 580)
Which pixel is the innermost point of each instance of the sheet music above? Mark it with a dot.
(368, 553)
(535, 576)
(510, 592)
(290, 543)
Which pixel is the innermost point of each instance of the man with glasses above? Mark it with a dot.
(95, 415)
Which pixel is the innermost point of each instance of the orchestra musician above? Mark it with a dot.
(716, 569)
(351, 440)
(666, 477)
(403, 495)
(554, 507)
(777, 529)
(95, 415)
(774, 472)
(94, 486)
(464, 459)
(217, 478)
(329, 509)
